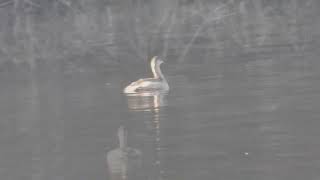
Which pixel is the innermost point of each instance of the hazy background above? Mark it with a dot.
(99, 33)
(243, 104)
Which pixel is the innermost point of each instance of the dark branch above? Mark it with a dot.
(6, 3)
(32, 3)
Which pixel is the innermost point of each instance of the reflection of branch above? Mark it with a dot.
(6, 3)
(104, 43)
(166, 39)
(68, 4)
(220, 7)
(65, 2)
(164, 19)
(159, 27)
(207, 19)
(212, 12)
(32, 3)
(196, 34)
(172, 23)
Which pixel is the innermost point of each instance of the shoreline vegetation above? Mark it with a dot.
(99, 34)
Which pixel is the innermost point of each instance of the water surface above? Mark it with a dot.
(232, 118)
(243, 101)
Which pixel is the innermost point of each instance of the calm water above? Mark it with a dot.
(229, 118)
(243, 104)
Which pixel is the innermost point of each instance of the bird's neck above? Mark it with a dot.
(122, 139)
(156, 71)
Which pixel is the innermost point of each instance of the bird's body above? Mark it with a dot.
(157, 83)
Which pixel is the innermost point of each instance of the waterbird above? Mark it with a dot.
(156, 83)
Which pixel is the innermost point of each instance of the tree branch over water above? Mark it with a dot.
(6, 3)
(209, 19)
(166, 35)
(68, 4)
(30, 2)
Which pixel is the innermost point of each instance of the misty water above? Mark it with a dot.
(239, 119)
(243, 102)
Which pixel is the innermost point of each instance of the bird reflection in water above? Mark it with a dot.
(123, 161)
(146, 101)
(146, 104)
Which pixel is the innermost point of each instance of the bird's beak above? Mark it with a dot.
(160, 60)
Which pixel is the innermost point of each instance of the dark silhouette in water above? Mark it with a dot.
(123, 161)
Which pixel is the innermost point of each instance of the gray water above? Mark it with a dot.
(243, 102)
(234, 119)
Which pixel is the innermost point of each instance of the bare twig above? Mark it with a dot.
(213, 11)
(164, 19)
(196, 34)
(159, 27)
(95, 44)
(6, 3)
(65, 2)
(99, 43)
(32, 3)
(140, 54)
(204, 23)
(68, 4)
(222, 6)
(166, 42)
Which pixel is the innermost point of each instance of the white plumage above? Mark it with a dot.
(157, 83)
